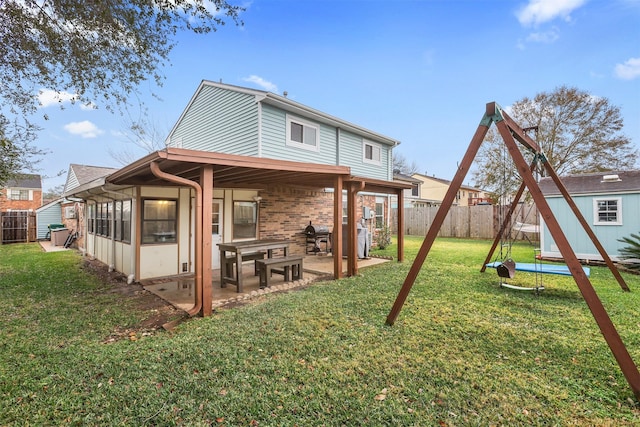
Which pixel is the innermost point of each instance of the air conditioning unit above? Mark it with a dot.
(69, 212)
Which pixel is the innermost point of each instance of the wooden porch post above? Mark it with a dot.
(400, 225)
(206, 182)
(352, 236)
(336, 237)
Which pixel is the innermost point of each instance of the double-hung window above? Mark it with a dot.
(371, 152)
(19, 194)
(303, 133)
(607, 211)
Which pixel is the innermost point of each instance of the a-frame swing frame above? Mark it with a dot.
(510, 132)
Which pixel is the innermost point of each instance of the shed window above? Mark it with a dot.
(607, 211)
(159, 221)
(302, 133)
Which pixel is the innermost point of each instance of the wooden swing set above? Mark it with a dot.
(510, 133)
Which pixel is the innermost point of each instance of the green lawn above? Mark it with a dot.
(462, 351)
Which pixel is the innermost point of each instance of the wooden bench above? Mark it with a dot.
(288, 266)
(230, 261)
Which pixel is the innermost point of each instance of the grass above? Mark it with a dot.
(462, 351)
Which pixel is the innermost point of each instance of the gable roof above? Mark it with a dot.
(25, 180)
(594, 183)
(79, 175)
(287, 104)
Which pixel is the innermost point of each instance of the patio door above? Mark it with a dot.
(216, 232)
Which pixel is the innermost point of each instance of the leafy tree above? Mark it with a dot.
(91, 52)
(577, 132)
(15, 155)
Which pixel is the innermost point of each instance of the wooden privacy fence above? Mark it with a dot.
(474, 222)
(18, 227)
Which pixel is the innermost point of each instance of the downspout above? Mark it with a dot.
(155, 169)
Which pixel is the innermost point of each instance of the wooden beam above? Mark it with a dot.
(432, 233)
(608, 330)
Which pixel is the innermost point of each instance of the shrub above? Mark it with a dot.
(383, 238)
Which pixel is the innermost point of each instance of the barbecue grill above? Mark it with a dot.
(316, 235)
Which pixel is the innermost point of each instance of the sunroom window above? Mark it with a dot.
(159, 221)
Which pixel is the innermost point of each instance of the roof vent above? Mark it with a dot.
(610, 178)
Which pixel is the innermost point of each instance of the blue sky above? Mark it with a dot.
(418, 71)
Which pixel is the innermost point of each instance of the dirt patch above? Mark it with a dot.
(156, 312)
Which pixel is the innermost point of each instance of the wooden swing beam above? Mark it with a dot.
(510, 132)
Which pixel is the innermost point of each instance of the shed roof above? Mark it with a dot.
(594, 183)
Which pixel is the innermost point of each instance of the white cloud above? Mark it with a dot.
(266, 85)
(541, 11)
(629, 70)
(85, 129)
(48, 97)
(544, 37)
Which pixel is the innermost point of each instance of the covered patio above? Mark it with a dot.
(179, 290)
(201, 172)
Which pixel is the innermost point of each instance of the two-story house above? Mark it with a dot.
(19, 200)
(434, 190)
(23, 193)
(240, 164)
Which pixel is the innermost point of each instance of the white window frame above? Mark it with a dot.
(375, 148)
(618, 211)
(305, 124)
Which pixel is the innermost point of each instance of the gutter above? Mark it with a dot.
(157, 172)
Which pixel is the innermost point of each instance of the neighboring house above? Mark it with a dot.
(23, 193)
(434, 190)
(609, 202)
(412, 196)
(240, 164)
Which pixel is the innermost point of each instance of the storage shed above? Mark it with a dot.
(609, 201)
(51, 213)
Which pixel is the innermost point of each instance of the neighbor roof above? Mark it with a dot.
(599, 183)
(25, 181)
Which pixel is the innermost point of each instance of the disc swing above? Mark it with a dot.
(504, 264)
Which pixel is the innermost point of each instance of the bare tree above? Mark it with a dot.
(402, 165)
(91, 52)
(577, 133)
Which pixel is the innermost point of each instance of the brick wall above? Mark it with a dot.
(286, 211)
(20, 205)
